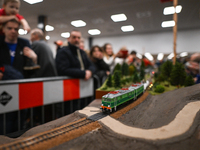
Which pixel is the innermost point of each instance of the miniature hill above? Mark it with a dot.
(159, 110)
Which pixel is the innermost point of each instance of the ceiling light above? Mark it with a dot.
(65, 34)
(170, 56)
(127, 28)
(94, 32)
(183, 54)
(119, 17)
(166, 24)
(22, 32)
(160, 56)
(47, 37)
(149, 56)
(33, 1)
(171, 10)
(139, 56)
(78, 23)
(49, 28)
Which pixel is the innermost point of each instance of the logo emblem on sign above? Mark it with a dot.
(5, 98)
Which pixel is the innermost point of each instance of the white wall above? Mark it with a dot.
(155, 42)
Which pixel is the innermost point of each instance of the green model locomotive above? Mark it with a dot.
(113, 99)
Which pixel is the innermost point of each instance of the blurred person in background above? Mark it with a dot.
(193, 67)
(73, 62)
(82, 47)
(9, 11)
(15, 53)
(110, 58)
(44, 54)
(131, 57)
(96, 56)
(58, 44)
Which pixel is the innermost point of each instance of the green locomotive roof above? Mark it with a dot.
(117, 93)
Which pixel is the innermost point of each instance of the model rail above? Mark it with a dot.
(25, 143)
(97, 116)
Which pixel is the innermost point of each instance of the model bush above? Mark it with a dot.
(159, 89)
(131, 70)
(189, 81)
(123, 81)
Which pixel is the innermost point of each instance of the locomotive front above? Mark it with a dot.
(108, 101)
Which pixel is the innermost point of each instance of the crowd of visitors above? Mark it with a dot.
(19, 59)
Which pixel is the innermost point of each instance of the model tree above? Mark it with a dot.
(109, 81)
(142, 74)
(135, 77)
(125, 70)
(167, 69)
(189, 81)
(142, 65)
(117, 67)
(178, 75)
(117, 81)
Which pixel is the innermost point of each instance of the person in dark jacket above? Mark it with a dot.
(44, 54)
(96, 56)
(15, 51)
(73, 62)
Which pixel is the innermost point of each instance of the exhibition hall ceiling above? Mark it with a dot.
(145, 16)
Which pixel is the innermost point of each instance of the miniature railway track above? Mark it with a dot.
(97, 116)
(28, 142)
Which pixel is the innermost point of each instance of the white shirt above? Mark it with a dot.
(113, 62)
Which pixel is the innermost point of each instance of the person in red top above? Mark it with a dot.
(10, 11)
(147, 63)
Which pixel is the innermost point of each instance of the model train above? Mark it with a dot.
(113, 99)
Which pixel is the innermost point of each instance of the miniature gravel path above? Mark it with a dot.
(181, 124)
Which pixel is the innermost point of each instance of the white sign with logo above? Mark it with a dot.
(9, 98)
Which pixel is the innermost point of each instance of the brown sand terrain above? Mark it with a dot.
(154, 112)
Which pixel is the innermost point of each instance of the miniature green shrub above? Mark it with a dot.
(123, 81)
(189, 81)
(160, 89)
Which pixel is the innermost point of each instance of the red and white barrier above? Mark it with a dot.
(19, 96)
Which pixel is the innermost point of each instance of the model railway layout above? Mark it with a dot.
(110, 101)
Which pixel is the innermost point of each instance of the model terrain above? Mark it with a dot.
(165, 121)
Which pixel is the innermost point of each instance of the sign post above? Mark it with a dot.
(175, 30)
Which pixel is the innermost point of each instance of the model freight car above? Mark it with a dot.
(113, 99)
